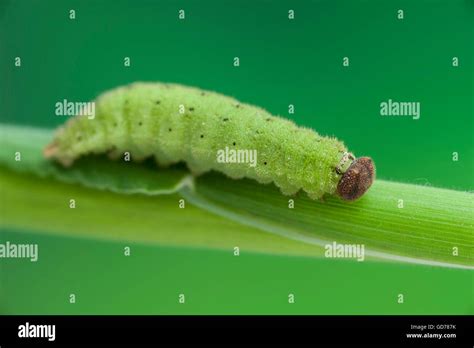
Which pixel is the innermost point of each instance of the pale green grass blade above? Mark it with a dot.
(30, 203)
(434, 226)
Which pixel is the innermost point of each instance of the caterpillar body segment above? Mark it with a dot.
(175, 123)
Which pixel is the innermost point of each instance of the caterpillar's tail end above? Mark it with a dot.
(357, 179)
(51, 152)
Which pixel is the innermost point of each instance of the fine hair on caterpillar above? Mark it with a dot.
(174, 123)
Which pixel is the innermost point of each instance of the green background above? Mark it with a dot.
(281, 62)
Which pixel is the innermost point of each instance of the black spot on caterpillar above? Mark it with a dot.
(293, 158)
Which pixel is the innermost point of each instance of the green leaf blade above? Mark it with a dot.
(433, 226)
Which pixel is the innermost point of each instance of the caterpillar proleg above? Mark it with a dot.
(175, 123)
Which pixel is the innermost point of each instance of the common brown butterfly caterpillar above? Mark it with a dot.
(175, 123)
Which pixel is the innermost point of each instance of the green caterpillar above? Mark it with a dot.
(175, 123)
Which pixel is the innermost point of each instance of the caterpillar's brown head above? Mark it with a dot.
(357, 179)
